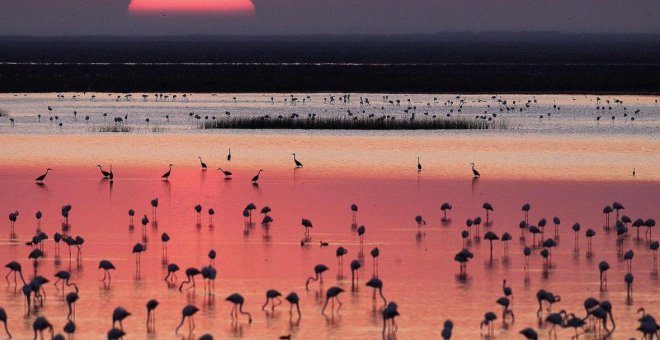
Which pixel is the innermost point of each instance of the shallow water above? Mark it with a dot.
(576, 176)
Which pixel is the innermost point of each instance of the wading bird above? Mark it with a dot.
(237, 300)
(40, 179)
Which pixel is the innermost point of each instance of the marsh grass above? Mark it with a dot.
(112, 128)
(338, 123)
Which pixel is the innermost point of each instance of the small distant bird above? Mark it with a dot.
(475, 173)
(204, 167)
(298, 164)
(226, 173)
(166, 176)
(255, 179)
(419, 165)
(229, 155)
(41, 178)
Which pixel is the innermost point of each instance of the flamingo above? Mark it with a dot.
(172, 268)
(65, 276)
(106, 266)
(188, 312)
(489, 317)
(603, 267)
(41, 324)
(191, 272)
(271, 296)
(318, 271)
(375, 253)
(377, 285)
(444, 207)
(447, 328)
(229, 155)
(237, 300)
(419, 165)
(505, 303)
(389, 313)
(14, 267)
(115, 334)
(354, 210)
(40, 179)
(71, 300)
(154, 207)
(204, 167)
(529, 334)
(488, 207)
(3, 318)
(118, 315)
(151, 312)
(166, 175)
(332, 294)
(360, 231)
(69, 328)
(307, 224)
(293, 299)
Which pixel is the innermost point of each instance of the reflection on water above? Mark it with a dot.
(415, 260)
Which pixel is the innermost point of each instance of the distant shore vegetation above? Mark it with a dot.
(355, 123)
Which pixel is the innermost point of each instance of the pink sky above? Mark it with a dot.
(190, 6)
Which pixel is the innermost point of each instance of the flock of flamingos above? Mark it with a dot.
(596, 319)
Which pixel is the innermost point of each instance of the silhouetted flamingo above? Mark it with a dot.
(106, 266)
(360, 231)
(14, 267)
(41, 324)
(204, 167)
(118, 315)
(529, 334)
(354, 210)
(151, 313)
(444, 207)
(172, 268)
(318, 272)
(237, 300)
(505, 302)
(71, 300)
(447, 329)
(332, 294)
(272, 296)
(65, 276)
(488, 207)
(603, 267)
(293, 299)
(191, 272)
(3, 319)
(489, 317)
(390, 312)
(377, 285)
(187, 312)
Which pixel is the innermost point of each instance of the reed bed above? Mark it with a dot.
(339, 123)
(114, 128)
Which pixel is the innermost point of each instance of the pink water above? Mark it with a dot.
(418, 270)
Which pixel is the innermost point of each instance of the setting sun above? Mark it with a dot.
(190, 6)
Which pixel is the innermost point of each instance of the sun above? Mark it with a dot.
(191, 7)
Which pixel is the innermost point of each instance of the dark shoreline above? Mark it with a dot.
(487, 63)
(564, 79)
